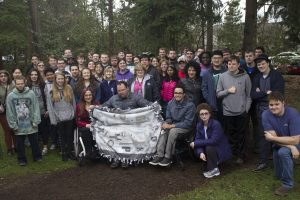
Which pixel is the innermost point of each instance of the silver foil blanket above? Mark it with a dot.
(127, 135)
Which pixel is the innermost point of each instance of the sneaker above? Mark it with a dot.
(212, 173)
(115, 164)
(156, 161)
(124, 165)
(239, 161)
(165, 162)
(44, 151)
(53, 147)
(22, 163)
(10, 152)
(260, 167)
(282, 191)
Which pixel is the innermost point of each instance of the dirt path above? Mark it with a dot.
(98, 181)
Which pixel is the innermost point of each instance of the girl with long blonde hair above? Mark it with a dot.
(61, 107)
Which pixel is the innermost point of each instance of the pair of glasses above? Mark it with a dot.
(204, 114)
(178, 92)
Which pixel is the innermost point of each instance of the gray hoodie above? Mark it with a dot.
(239, 102)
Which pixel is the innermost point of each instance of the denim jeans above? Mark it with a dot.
(283, 165)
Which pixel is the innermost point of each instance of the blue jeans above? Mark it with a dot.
(283, 165)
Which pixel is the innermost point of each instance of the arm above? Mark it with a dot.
(50, 108)
(248, 92)
(286, 140)
(204, 86)
(36, 118)
(11, 114)
(155, 91)
(78, 115)
(188, 118)
(221, 91)
(255, 91)
(215, 137)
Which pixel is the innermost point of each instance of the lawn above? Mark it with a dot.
(235, 184)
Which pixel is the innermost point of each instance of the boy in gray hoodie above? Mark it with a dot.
(234, 87)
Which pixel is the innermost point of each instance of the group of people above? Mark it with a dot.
(215, 95)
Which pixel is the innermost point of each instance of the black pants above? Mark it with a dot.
(43, 128)
(265, 145)
(235, 129)
(33, 139)
(88, 141)
(211, 157)
(252, 134)
(66, 133)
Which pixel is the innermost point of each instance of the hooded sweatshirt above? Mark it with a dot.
(123, 76)
(23, 111)
(239, 102)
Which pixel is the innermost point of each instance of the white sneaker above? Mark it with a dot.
(53, 147)
(44, 151)
(212, 173)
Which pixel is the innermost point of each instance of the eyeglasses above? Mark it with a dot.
(204, 114)
(178, 92)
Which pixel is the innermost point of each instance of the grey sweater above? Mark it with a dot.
(60, 111)
(239, 102)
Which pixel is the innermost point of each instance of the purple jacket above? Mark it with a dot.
(123, 77)
(216, 138)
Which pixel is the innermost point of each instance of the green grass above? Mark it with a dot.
(240, 184)
(10, 168)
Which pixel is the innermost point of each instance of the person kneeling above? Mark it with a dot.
(210, 145)
(180, 115)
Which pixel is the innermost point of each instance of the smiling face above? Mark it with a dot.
(86, 74)
(164, 66)
(233, 66)
(192, 72)
(276, 107)
(122, 65)
(60, 80)
(34, 76)
(263, 67)
(170, 71)
(179, 94)
(88, 96)
(17, 73)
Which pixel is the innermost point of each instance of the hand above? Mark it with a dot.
(295, 152)
(269, 92)
(88, 126)
(91, 107)
(232, 90)
(46, 114)
(269, 136)
(202, 156)
(167, 126)
(257, 90)
(192, 145)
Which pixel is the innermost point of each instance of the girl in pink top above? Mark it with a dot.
(168, 85)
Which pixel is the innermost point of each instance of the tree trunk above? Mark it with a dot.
(250, 28)
(35, 26)
(210, 23)
(110, 27)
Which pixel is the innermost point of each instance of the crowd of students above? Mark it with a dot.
(234, 86)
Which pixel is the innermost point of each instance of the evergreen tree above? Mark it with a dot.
(230, 34)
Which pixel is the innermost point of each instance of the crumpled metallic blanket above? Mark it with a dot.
(127, 135)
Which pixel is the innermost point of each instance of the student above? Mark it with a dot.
(23, 116)
(108, 85)
(37, 85)
(281, 125)
(61, 106)
(210, 145)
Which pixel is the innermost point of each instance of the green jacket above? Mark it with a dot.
(23, 112)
